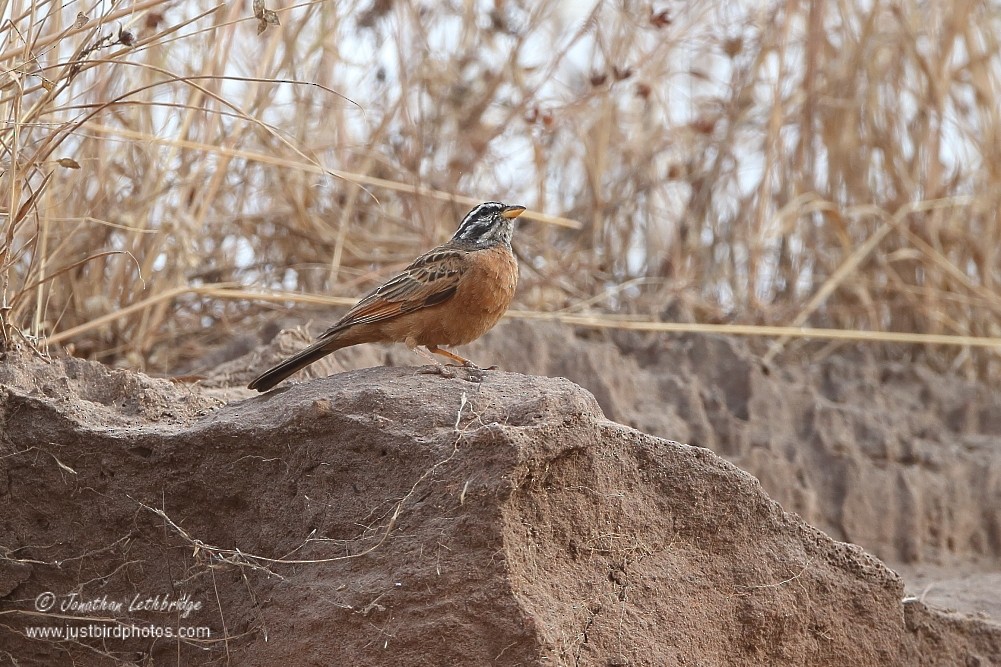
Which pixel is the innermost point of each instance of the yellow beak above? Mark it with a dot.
(512, 212)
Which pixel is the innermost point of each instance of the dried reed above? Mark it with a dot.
(828, 165)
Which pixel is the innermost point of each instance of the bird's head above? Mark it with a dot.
(488, 224)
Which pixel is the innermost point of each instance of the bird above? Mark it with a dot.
(451, 295)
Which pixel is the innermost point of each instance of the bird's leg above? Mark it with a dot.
(462, 361)
(438, 368)
(475, 372)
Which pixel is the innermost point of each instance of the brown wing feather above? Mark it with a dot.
(431, 279)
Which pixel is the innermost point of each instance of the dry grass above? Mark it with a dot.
(830, 165)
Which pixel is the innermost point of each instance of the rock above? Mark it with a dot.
(384, 516)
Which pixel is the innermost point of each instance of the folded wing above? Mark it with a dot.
(430, 280)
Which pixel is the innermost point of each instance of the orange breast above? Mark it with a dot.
(483, 294)
(481, 298)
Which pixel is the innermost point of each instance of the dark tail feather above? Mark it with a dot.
(271, 377)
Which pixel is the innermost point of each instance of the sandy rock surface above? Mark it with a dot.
(890, 455)
(385, 516)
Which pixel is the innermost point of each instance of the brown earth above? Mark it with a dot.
(885, 454)
(383, 516)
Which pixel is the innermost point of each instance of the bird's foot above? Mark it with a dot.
(437, 369)
(473, 373)
(471, 366)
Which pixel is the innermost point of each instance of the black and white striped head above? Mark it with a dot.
(488, 224)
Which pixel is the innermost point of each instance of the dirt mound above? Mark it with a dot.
(389, 517)
(888, 455)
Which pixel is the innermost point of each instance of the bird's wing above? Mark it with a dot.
(431, 279)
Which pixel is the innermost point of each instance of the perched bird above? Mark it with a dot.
(449, 296)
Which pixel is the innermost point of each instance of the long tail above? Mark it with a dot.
(314, 352)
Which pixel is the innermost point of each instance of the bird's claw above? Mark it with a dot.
(437, 369)
(473, 372)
